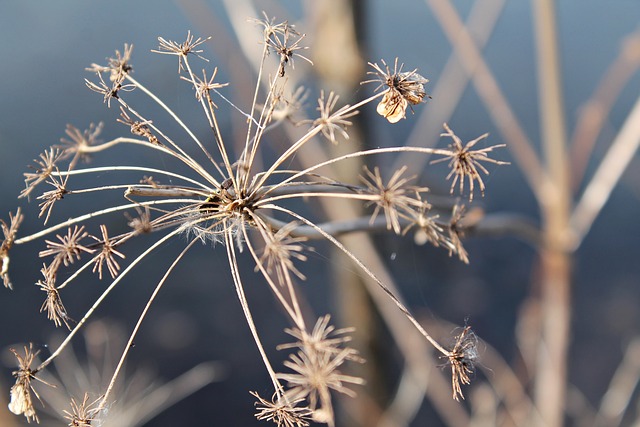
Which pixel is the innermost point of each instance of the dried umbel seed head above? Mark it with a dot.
(315, 368)
(82, 414)
(282, 411)
(397, 198)
(21, 400)
(462, 359)
(118, 68)
(214, 190)
(333, 123)
(42, 170)
(404, 88)
(9, 231)
(466, 163)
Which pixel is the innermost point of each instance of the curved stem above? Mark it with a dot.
(95, 214)
(129, 345)
(363, 153)
(233, 264)
(369, 273)
(133, 169)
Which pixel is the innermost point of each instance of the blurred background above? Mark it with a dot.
(196, 318)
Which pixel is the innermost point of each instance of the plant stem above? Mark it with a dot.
(551, 373)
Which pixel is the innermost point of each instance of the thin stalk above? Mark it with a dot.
(237, 281)
(218, 136)
(550, 383)
(79, 219)
(609, 172)
(352, 196)
(76, 273)
(133, 168)
(209, 111)
(129, 345)
(204, 150)
(263, 120)
(96, 189)
(594, 113)
(423, 150)
(298, 318)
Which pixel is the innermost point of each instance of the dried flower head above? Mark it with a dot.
(53, 305)
(142, 223)
(79, 142)
(324, 338)
(238, 192)
(106, 255)
(462, 359)
(9, 231)
(270, 27)
(204, 86)
(169, 47)
(427, 227)
(465, 162)
(315, 368)
(315, 374)
(68, 248)
(118, 67)
(404, 88)
(81, 373)
(49, 198)
(283, 412)
(279, 251)
(82, 414)
(396, 198)
(393, 106)
(108, 92)
(332, 122)
(45, 166)
(280, 43)
(285, 107)
(21, 401)
(138, 128)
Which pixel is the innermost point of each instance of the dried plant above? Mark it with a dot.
(462, 358)
(82, 414)
(53, 303)
(282, 412)
(465, 162)
(10, 231)
(21, 400)
(232, 199)
(404, 88)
